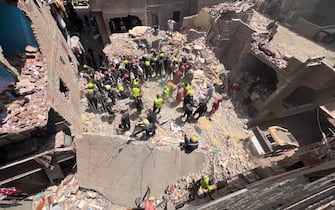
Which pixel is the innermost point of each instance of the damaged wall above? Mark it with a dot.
(286, 53)
(121, 171)
(60, 63)
(149, 12)
(237, 42)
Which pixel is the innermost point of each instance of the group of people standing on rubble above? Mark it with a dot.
(124, 78)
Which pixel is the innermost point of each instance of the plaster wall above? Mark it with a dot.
(122, 171)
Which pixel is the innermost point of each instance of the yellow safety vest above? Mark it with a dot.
(158, 102)
(90, 85)
(166, 92)
(205, 184)
(187, 88)
(136, 92)
(135, 83)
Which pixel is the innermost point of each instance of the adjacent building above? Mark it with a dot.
(111, 15)
(39, 96)
(280, 72)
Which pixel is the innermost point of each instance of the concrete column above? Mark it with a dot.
(102, 27)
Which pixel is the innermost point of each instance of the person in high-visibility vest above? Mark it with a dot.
(158, 103)
(147, 69)
(205, 183)
(187, 87)
(88, 70)
(166, 92)
(135, 83)
(90, 85)
(122, 92)
(136, 92)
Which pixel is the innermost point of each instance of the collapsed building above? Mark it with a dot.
(275, 74)
(39, 98)
(272, 66)
(276, 63)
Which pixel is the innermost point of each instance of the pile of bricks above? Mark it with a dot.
(26, 103)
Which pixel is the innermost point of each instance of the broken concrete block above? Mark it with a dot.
(197, 47)
(82, 204)
(59, 139)
(194, 34)
(30, 49)
(27, 90)
(202, 60)
(138, 31)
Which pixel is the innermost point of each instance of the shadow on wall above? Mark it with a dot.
(17, 33)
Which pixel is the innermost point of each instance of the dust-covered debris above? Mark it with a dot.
(220, 135)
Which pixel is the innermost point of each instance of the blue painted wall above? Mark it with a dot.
(4, 73)
(16, 32)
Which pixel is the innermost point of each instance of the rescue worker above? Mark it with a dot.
(167, 67)
(135, 83)
(92, 100)
(90, 85)
(126, 64)
(159, 65)
(158, 103)
(188, 112)
(147, 127)
(147, 70)
(187, 87)
(122, 92)
(189, 76)
(188, 99)
(175, 66)
(88, 70)
(144, 58)
(207, 184)
(152, 116)
(125, 121)
(201, 110)
(189, 145)
(166, 92)
(110, 93)
(136, 92)
(138, 104)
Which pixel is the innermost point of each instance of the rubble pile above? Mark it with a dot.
(26, 104)
(236, 7)
(220, 136)
(312, 154)
(67, 195)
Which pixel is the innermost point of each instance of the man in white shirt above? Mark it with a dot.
(170, 24)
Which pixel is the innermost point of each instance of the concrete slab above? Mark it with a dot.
(122, 171)
(289, 43)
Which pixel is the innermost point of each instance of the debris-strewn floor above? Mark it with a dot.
(221, 135)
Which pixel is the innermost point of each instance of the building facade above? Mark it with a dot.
(109, 14)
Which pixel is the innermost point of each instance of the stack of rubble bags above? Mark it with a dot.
(29, 109)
